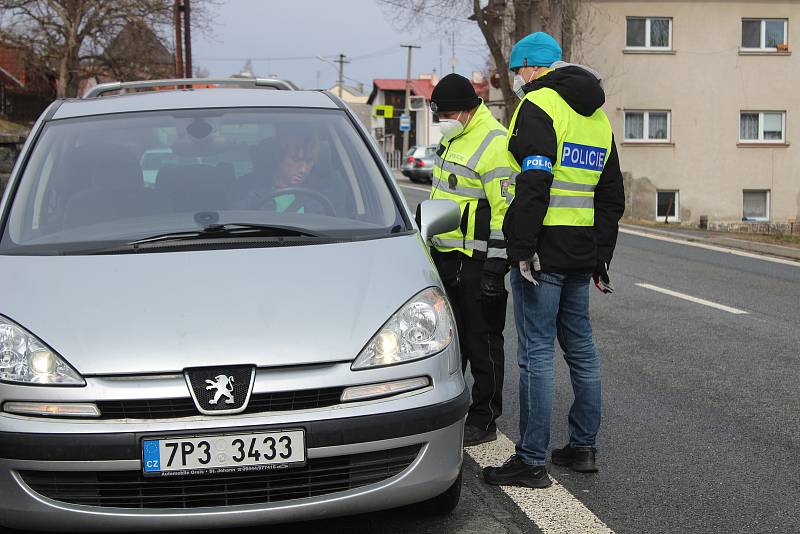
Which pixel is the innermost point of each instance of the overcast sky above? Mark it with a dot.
(266, 31)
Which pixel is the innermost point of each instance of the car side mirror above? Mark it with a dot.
(437, 217)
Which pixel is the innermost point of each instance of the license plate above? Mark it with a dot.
(223, 453)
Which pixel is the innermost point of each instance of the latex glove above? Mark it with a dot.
(601, 279)
(528, 267)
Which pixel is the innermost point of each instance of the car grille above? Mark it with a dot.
(184, 407)
(130, 489)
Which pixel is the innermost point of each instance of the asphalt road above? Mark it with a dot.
(701, 429)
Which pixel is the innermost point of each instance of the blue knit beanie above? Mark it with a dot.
(535, 50)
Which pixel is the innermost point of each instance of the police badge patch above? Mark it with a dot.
(452, 181)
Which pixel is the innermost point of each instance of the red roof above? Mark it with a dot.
(422, 87)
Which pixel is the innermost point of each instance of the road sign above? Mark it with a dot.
(405, 123)
(387, 112)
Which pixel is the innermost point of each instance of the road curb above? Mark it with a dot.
(766, 252)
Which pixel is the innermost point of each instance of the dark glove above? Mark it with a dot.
(494, 296)
(493, 285)
(601, 278)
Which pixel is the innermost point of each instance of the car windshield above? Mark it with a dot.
(117, 178)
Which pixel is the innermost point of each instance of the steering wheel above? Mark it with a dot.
(301, 192)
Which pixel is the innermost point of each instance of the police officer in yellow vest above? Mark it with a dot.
(561, 230)
(471, 168)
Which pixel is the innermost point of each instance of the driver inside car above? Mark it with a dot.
(282, 163)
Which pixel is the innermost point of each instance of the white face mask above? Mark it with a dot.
(451, 127)
(519, 83)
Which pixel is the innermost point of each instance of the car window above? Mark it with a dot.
(430, 151)
(123, 177)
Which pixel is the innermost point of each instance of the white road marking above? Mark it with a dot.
(554, 510)
(715, 248)
(684, 296)
(416, 187)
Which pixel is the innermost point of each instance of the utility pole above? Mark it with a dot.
(187, 36)
(453, 59)
(341, 61)
(407, 105)
(178, 40)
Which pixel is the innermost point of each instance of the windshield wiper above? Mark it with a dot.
(213, 231)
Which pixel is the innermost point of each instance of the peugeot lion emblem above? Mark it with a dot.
(224, 386)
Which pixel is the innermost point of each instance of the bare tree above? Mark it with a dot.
(70, 37)
(502, 23)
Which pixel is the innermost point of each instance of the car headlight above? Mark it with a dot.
(422, 327)
(27, 360)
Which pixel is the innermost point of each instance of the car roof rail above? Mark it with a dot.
(265, 83)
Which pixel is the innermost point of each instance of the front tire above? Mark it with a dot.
(442, 504)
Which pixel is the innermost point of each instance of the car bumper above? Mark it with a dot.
(434, 430)
(417, 173)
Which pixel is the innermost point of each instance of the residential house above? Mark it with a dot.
(703, 99)
(136, 53)
(350, 94)
(25, 90)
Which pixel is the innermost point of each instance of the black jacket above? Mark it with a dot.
(564, 249)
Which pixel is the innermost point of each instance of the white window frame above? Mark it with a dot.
(769, 204)
(763, 44)
(676, 207)
(647, 23)
(761, 139)
(646, 129)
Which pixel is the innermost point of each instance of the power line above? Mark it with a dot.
(268, 58)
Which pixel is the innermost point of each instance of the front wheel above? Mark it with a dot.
(442, 504)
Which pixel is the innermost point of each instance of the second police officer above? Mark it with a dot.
(561, 230)
(471, 168)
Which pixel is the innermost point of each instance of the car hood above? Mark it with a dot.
(163, 312)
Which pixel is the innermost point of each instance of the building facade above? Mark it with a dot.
(25, 91)
(704, 99)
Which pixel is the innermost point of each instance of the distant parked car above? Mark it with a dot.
(418, 166)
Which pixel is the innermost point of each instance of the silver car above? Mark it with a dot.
(418, 166)
(252, 333)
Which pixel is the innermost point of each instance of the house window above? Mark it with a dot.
(762, 126)
(755, 205)
(649, 33)
(647, 126)
(667, 208)
(763, 34)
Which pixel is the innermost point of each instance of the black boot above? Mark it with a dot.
(517, 473)
(475, 436)
(580, 459)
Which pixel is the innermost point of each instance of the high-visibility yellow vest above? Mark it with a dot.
(472, 170)
(584, 145)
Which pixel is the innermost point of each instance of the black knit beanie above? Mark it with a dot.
(454, 93)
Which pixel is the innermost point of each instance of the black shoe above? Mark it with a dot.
(475, 436)
(517, 473)
(580, 459)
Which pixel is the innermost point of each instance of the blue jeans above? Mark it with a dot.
(557, 308)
